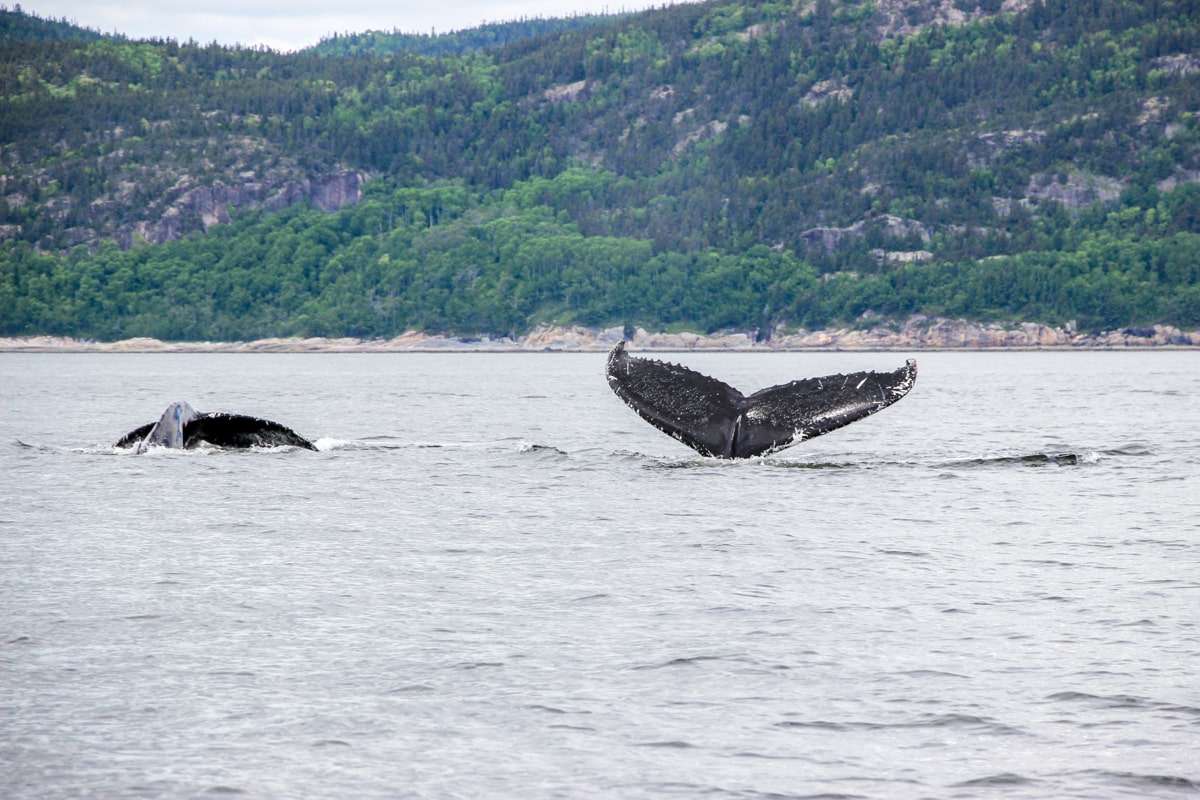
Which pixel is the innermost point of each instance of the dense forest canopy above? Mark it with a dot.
(18, 26)
(458, 42)
(719, 165)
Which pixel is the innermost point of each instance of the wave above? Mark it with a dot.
(768, 462)
(1140, 781)
(765, 462)
(202, 450)
(1000, 779)
(1124, 701)
(1028, 460)
(964, 721)
(540, 449)
(687, 661)
(384, 443)
(1062, 458)
(600, 456)
(1039, 458)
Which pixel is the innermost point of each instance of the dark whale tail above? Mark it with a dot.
(715, 419)
(181, 426)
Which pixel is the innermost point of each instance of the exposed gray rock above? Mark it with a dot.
(189, 208)
(1178, 64)
(1078, 190)
(906, 17)
(902, 256)
(832, 238)
(831, 89)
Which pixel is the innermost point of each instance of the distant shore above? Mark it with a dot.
(918, 333)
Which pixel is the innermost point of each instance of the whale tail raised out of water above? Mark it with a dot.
(181, 426)
(715, 419)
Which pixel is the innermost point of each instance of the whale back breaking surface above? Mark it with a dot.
(239, 430)
(136, 436)
(716, 419)
(182, 427)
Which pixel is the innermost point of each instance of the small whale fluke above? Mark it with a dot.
(715, 419)
(181, 426)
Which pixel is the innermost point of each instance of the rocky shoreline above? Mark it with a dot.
(918, 333)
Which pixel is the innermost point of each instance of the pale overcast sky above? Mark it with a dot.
(293, 24)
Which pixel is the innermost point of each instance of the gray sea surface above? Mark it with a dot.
(493, 580)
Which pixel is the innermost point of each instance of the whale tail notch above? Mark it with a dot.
(182, 427)
(717, 420)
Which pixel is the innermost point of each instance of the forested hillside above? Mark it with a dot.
(707, 166)
(20, 27)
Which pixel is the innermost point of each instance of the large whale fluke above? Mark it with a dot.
(715, 419)
(181, 426)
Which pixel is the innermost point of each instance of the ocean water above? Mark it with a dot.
(493, 580)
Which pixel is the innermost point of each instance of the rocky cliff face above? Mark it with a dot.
(190, 209)
(830, 239)
(160, 195)
(906, 17)
(1074, 191)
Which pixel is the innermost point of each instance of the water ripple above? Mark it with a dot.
(964, 721)
(999, 779)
